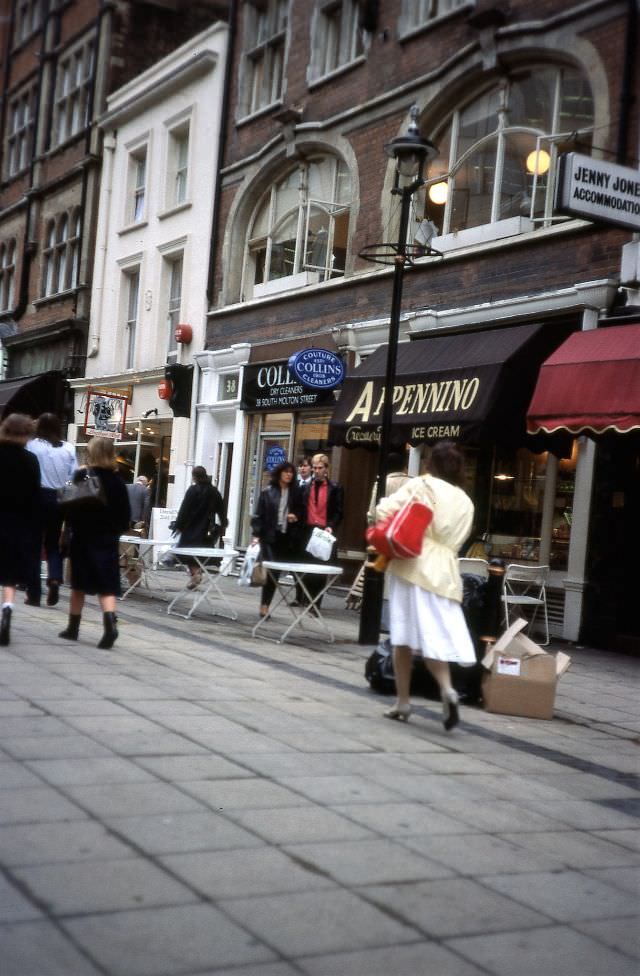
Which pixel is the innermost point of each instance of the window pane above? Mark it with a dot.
(531, 100)
(576, 102)
(517, 182)
(283, 249)
(287, 195)
(473, 190)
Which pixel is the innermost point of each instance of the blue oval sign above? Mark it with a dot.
(275, 455)
(318, 369)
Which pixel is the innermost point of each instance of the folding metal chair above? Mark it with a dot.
(524, 588)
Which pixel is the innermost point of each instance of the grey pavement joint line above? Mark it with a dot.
(543, 752)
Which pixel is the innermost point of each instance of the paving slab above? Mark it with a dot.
(164, 941)
(95, 771)
(39, 948)
(14, 906)
(34, 804)
(165, 833)
(365, 862)
(542, 951)
(48, 843)
(405, 960)
(193, 767)
(570, 896)
(622, 934)
(299, 824)
(129, 799)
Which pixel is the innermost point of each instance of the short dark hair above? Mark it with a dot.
(49, 428)
(305, 460)
(447, 462)
(277, 471)
(396, 461)
(199, 474)
(15, 427)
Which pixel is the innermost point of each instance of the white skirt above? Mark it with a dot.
(430, 624)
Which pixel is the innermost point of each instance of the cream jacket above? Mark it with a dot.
(436, 568)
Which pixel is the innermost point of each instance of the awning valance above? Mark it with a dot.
(472, 387)
(590, 384)
(32, 395)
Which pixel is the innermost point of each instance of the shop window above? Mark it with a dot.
(7, 274)
(61, 253)
(338, 38)
(177, 166)
(300, 232)
(28, 19)
(20, 128)
(501, 150)
(263, 57)
(73, 91)
(132, 280)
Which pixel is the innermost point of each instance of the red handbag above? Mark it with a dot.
(400, 536)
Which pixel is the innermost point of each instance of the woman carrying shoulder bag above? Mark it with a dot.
(201, 502)
(95, 532)
(276, 523)
(425, 593)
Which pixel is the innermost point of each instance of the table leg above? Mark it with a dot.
(311, 607)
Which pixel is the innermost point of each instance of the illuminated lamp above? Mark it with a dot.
(165, 389)
(438, 192)
(538, 162)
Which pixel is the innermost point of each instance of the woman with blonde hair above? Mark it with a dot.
(19, 513)
(95, 532)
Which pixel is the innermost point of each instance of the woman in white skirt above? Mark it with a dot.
(425, 593)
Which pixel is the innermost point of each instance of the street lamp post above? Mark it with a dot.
(410, 152)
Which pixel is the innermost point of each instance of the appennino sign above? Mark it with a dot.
(318, 369)
(597, 190)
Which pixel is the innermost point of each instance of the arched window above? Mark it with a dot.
(61, 253)
(300, 231)
(7, 274)
(501, 148)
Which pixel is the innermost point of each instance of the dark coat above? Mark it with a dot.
(194, 521)
(140, 502)
(94, 537)
(264, 523)
(335, 504)
(19, 516)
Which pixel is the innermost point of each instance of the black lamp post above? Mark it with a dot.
(410, 152)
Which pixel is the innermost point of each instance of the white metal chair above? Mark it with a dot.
(524, 587)
(477, 567)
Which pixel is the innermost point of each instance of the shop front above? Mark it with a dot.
(590, 388)
(474, 387)
(284, 420)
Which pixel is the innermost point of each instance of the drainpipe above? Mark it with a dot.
(102, 239)
(630, 56)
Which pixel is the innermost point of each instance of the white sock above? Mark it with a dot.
(7, 605)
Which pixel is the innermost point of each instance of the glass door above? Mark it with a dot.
(268, 444)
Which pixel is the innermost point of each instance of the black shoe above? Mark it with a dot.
(5, 627)
(450, 716)
(31, 602)
(53, 594)
(72, 628)
(110, 634)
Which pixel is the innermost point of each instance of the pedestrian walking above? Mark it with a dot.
(323, 502)
(276, 524)
(139, 504)
(19, 514)
(425, 593)
(196, 516)
(94, 533)
(57, 460)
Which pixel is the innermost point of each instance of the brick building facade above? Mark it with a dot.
(503, 91)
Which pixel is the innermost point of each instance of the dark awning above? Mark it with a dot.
(472, 387)
(32, 395)
(591, 384)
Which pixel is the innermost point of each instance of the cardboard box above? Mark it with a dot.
(521, 677)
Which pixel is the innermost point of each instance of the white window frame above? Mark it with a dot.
(512, 224)
(174, 264)
(419, 13)
(61, 253)
(178, 168)
(74, 75)
(28, 19)
(132, 312)
(262, 61)
(20, 131)
(337, 39)
(136, 197)
(7, 273)
(303, 271)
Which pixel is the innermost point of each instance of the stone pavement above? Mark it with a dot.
(197, 801)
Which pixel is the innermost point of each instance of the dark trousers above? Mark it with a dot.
(50, 528)
(281, 550)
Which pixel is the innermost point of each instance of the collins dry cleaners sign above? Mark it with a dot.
(319, 369)
(273, 386)
(597, 190)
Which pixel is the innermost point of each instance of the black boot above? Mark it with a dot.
(53, 594)
(72, 628)
(108, 638)
(5, 626)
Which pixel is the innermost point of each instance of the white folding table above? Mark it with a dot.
(208, 587)
(138, 560)
(302, 615)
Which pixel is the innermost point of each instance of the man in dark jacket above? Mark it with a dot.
(323, 501)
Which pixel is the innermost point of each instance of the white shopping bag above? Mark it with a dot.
(320, 544)
(250, 557)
